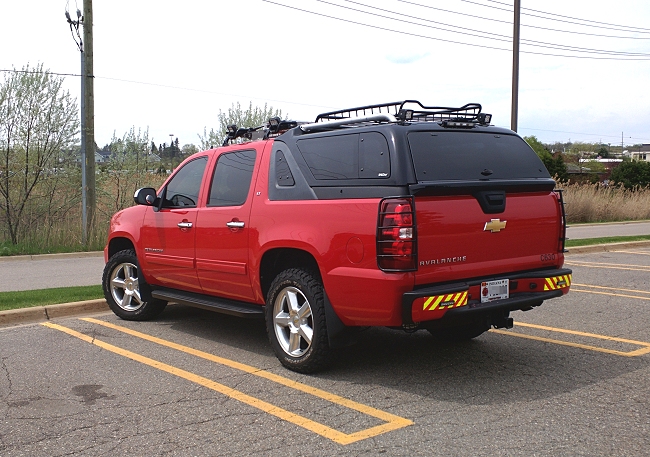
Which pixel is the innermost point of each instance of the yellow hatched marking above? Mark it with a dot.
(393, 422)
(645, 349)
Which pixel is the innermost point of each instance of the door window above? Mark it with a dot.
(232, 178)
(183, 188)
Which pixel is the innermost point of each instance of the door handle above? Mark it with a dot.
(185, 225)
(235, 224)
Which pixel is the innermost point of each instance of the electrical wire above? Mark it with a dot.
(620, 28)
(495, 36)
(633, 29)
(629, 56)
(524, 25)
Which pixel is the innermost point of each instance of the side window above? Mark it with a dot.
(232, 178)
(183, 188)
(353, 156)
(332, 157)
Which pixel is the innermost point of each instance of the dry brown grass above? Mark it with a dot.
(598, 203)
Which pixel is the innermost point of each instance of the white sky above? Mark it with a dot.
(170, 66)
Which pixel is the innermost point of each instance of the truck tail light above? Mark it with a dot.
(396, 235)
(562, 239)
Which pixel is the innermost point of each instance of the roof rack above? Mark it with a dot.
(401, 112)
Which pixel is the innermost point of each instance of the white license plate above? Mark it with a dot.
(495, 290)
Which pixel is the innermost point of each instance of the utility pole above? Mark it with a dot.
(89, 115)
(88, 193)
(515, 67)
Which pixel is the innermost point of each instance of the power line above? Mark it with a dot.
(620, 28)
(495, 36)
(630, 56)
(638, 29)
(39, 72)
(509, 22)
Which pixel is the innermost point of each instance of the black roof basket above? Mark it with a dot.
(408, 110)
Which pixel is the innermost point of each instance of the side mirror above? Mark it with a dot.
(145, 196)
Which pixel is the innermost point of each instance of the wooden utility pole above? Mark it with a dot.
(88, 117)
(515, 67)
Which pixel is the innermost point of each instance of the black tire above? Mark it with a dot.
(459, 333)
(295, 321)
(126, 292)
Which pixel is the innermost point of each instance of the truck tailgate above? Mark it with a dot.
(457, 240)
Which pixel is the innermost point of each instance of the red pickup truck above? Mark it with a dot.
(396, 214)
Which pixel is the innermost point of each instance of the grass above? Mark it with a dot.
(606, 240)
(42, 297)
(598, 203)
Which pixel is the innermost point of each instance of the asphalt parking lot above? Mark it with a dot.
(571, 378)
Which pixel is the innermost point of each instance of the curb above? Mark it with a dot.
(62, 255)
(607, 247)
(48, 312)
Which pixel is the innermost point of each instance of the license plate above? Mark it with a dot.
(495, 290)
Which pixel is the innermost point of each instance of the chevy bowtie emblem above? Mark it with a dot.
(495, 225)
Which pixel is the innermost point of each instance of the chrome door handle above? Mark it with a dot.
(235, 224)
(184, 225)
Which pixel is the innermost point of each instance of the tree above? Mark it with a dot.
(252, 117)
(127, 169)
(555, 165)
(38, 122)
(632, 174)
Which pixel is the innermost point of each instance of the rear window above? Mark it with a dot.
(462, 155)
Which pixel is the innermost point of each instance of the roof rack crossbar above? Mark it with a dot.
(342, 122)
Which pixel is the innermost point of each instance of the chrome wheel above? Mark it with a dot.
(125, 289)
(293, 321)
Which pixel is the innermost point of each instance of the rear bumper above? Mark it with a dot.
(462, 300)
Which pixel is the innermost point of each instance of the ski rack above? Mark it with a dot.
(273, 128)
(401, 112)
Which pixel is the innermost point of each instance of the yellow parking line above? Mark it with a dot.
(609, 266)
(645, 349)
(610, 288)
(393, 422)
(609, 293)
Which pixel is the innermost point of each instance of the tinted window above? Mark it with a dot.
(347, 156)
(473, 156)
(232, 178)
(183, 188)
(332, 157)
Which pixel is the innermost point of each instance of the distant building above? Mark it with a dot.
(584, 168)
(642, 153)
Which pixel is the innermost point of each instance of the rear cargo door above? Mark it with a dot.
(484, 206)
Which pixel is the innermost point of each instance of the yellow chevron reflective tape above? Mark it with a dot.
(557, 282)
(445, 301)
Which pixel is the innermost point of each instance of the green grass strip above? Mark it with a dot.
(605, 240)
(42, 297)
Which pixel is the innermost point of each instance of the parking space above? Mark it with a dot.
(572, 377)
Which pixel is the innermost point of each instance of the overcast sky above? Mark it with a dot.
(169, 67)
